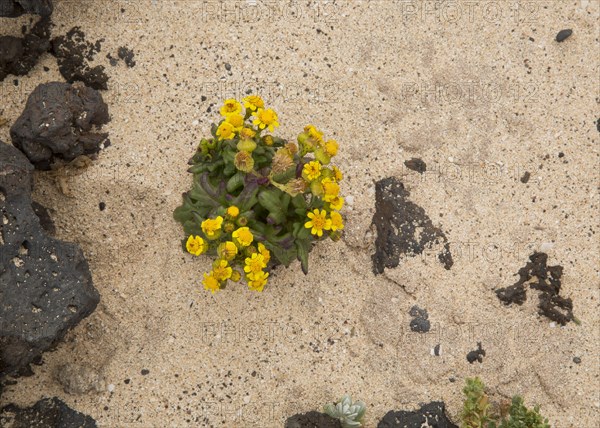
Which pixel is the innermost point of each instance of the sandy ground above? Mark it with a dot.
(479, 90)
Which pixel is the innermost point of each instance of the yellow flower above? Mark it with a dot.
(264, 252)
(337, 222)
(211, 227)
(230, 106)
(313, 133)
(268, 140)
(331, 189)
(266, 119)
(254, 264)
(226, 131)
(312, 170)
(227, 250)
(195, 245)
(243, 236)
(253, 102)
(318, 222)
(222, 271)
(247, 133)
(337, 173)
(236, 120)
(336, 203)
(331, 148)
(233, 211)
(211, 283)
(258, 282)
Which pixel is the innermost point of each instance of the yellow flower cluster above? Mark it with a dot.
(237, 245)
(235, 123)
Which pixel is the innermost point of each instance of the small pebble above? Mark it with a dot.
(145, 372)
(577, 360)
(563, 35)
(195, 123)
(102, 206)
(227, 66)
(111, 387)
(525, 177)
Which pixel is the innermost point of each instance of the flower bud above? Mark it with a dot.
(268, 140)
(242, 221)
(244, 161)
(228, 227)
(246, 146)
(317, 188)
(235, 276)
(321, 156)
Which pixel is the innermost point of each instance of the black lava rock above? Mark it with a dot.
(45, 284)
(476, 355)
(14, 8)
(312, 420)
(420, 322)
(429, 415)
(525, 178)
(563, 35)
(46, 413)
(18, 55)
(403, 228)
(416, 164)
(551, 304)
(73, 54)
(126, 55)
(58, 124)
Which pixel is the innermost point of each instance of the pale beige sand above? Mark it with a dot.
(240, 359)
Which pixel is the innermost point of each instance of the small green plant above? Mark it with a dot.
(349, 413)
(255, 195)
(478, 412)
(520, 416)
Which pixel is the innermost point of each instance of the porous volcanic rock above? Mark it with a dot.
(46, 413)
(45, 284)
(18, 55)
(430, 415)
(14, 8)
(58, 124)
(312, 420)
(398, 221)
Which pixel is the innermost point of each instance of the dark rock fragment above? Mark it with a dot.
(312, 420)
(45, 284)
(46, 413)
(127, 55)
(18, 55)
(58, 124)
(476, 355)
(14, 8)
(525, 177)
(416, 164)
(547, 281)
(420, 322)
(429, 415)
(563, 35)
(398, 222)
(73, 54)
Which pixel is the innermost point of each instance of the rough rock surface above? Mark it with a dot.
(312, 420)
(58, 124)
(18, 55)
(430, 415)
(551, 304)
(77, 379)
(45, 284)
(14, 8)
(420, 322)
(73, 54)
(398, 223)
(46, 413)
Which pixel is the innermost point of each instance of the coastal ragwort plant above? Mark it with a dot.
(258, 200)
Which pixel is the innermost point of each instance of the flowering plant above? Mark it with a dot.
(258, 200)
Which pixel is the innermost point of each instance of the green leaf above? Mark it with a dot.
(235, 182)
(303, 248)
